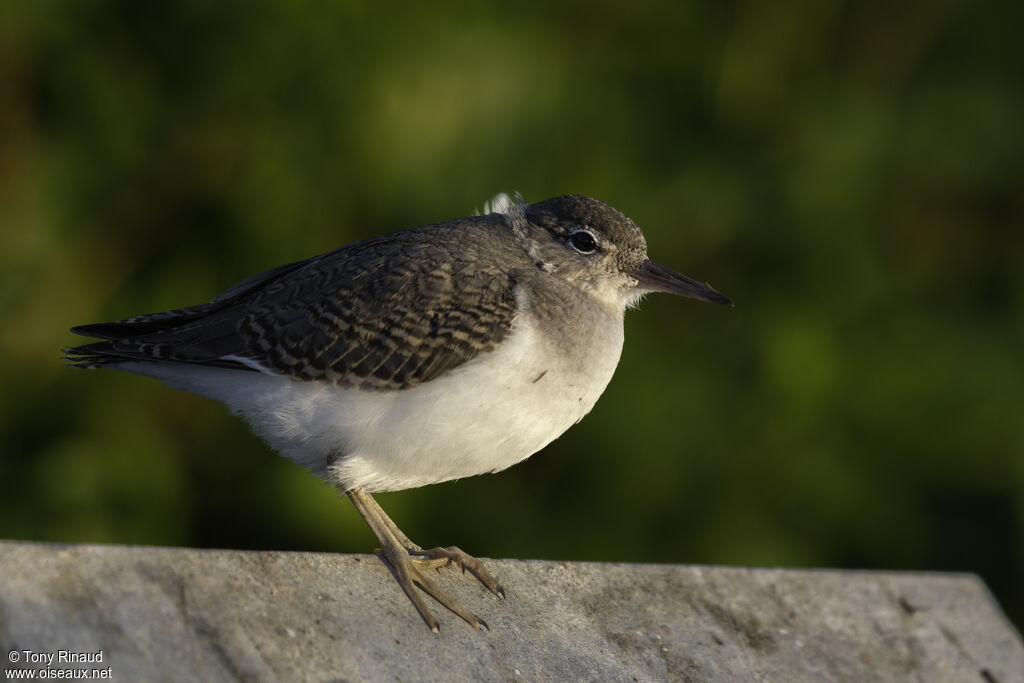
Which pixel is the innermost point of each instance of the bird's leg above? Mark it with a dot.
(407, 560)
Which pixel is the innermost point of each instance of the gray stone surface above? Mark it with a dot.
(177, 614)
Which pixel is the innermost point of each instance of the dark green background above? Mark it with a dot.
(850, 173)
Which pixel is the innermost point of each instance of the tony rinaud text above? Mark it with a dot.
(61, 657)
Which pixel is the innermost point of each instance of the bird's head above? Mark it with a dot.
(599, 248)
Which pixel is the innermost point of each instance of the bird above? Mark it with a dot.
(429, 354)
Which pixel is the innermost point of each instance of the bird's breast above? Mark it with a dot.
(486, 415)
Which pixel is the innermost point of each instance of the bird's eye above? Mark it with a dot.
(583, 241)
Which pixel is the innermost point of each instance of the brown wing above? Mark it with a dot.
(386, 313)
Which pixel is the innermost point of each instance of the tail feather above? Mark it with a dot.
(85, 357)
(151, 323)
(106, 354)
(190, 338)
(200, 334)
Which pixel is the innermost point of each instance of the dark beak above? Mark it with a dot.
(654, 278)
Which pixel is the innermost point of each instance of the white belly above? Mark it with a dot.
(484, 416)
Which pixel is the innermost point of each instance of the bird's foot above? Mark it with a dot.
(443, 557)
(408, 563)
(408, 566)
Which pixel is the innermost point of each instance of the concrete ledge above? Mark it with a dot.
(180, 614)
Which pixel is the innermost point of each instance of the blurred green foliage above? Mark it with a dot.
(849, 172)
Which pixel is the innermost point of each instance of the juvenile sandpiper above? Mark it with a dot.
(429, 354)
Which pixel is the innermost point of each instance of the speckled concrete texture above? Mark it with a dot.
(167, 614)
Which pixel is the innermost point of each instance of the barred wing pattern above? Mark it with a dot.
(387, 313)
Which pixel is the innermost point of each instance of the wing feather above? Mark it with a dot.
(386, 313)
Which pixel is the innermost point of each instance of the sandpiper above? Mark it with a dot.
(434, 353)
